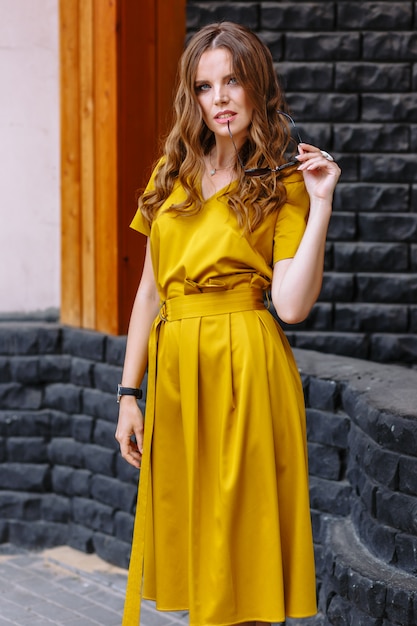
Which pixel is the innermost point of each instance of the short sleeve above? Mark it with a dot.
(139, 223)
(292, 219)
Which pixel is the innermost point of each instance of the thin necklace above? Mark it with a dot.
(218, 169)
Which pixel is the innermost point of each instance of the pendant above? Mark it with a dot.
(212, 172)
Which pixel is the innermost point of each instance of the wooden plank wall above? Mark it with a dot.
(118, 67)
(71, 302)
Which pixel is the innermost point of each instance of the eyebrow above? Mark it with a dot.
(202, 80)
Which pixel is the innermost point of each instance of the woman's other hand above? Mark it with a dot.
(129, 431)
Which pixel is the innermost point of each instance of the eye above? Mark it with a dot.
(202, 87)
(232, 80)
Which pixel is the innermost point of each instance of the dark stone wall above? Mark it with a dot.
(362, 439)
(62, 480)
(350, 73)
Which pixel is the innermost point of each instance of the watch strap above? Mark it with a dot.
(128, 391)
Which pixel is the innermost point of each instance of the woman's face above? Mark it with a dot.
(222, 99)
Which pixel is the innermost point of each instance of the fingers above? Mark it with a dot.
(133, 456)
(320, 172)
(308, 147)
(130, 453)
(312, 158)
(129, 434)
(129, 449)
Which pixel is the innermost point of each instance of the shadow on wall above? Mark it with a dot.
(62, 480)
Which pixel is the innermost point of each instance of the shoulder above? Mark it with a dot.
(293, 180)
(157, 166)
(295, 188)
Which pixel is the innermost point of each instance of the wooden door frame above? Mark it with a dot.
(118, 67)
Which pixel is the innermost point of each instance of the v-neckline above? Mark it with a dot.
(213, 195)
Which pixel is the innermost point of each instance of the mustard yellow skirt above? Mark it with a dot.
(226, 529)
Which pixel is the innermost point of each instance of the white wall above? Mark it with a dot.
(29, 156)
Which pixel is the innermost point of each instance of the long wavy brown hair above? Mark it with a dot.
(190, 139)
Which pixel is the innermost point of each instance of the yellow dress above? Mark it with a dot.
(228, 531)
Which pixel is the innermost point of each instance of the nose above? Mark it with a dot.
(220, 96)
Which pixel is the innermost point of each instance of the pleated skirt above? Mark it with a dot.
(228, 530)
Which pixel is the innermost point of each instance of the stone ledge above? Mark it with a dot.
(349, 551)
(366, 584)
(388, 388)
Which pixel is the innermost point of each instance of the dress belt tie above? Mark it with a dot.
(211, 303)
(174, 309)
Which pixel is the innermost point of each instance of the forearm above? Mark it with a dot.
(144, 312)
(129, 431)
(296, 286)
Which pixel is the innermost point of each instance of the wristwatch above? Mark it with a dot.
(128, 391)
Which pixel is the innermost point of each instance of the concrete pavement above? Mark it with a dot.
(64, 587)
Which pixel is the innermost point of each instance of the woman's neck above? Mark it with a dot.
(222, 155)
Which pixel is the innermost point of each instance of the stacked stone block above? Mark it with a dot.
(362, 435)
(62, 480)
(349, 69)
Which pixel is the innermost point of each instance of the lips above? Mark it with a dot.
(224, 116)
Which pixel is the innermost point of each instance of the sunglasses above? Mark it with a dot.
(262, 171)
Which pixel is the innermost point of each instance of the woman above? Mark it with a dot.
(223, 514)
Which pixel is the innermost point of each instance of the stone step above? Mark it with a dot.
(359, 589)
(380, 347)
